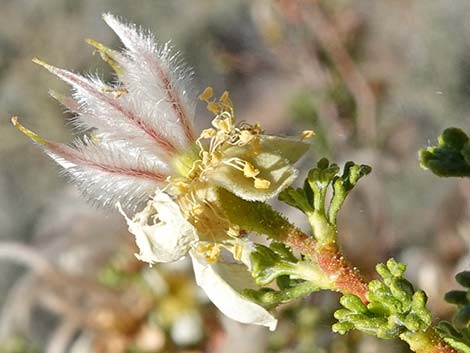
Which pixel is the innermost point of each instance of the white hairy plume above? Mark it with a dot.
(136, 124)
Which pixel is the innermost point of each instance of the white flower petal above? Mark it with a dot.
(285, 147)
(222, 283)
(274, 162)
(161, 232)
(275, 169)
(158, 80)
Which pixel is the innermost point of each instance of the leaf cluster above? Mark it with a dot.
(277, 263)
(394, 307)
(312, 197)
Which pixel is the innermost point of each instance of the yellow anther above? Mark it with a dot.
(306, 134)
(233, 231)
(262, 184)
(206, 94)
(208, 133)
(210, 251)
(250, 171)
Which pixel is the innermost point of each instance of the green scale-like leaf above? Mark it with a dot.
(312, 198)
(394, 306)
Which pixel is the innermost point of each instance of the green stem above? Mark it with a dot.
(261, 218)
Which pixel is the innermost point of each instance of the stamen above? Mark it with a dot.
(236, 163)
(197, 210)
(210, 251)
(118, 92)
(181, 187)
(233, 231)
(225, 132)
(208, 133)
(250, 171)
(262, 184)
(223, 122)
(225, 99)
(33, 136)
(206, 94)
(108, 55)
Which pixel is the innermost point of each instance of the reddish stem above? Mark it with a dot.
(332, 262)
(348, 280)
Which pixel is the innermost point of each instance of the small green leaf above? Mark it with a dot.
(457, 297)
(397, 269)
(402, 290)
(270, 298)
(283, 251)
(296, 198)
(412, 323)
(458, 345)
(319, 179)
(383, 271)
(445, 328)
(463, 278)
(418, 306)
(342, 327)
(343, 185)
(353, 303)
(450, 157)
(462, 318)
(284, 282)
(269, 265)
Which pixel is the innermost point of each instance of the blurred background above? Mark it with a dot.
(376, 80)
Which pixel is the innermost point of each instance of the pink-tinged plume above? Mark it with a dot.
(133, 127)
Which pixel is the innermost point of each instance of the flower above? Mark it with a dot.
(139, 146)
(163, 234)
